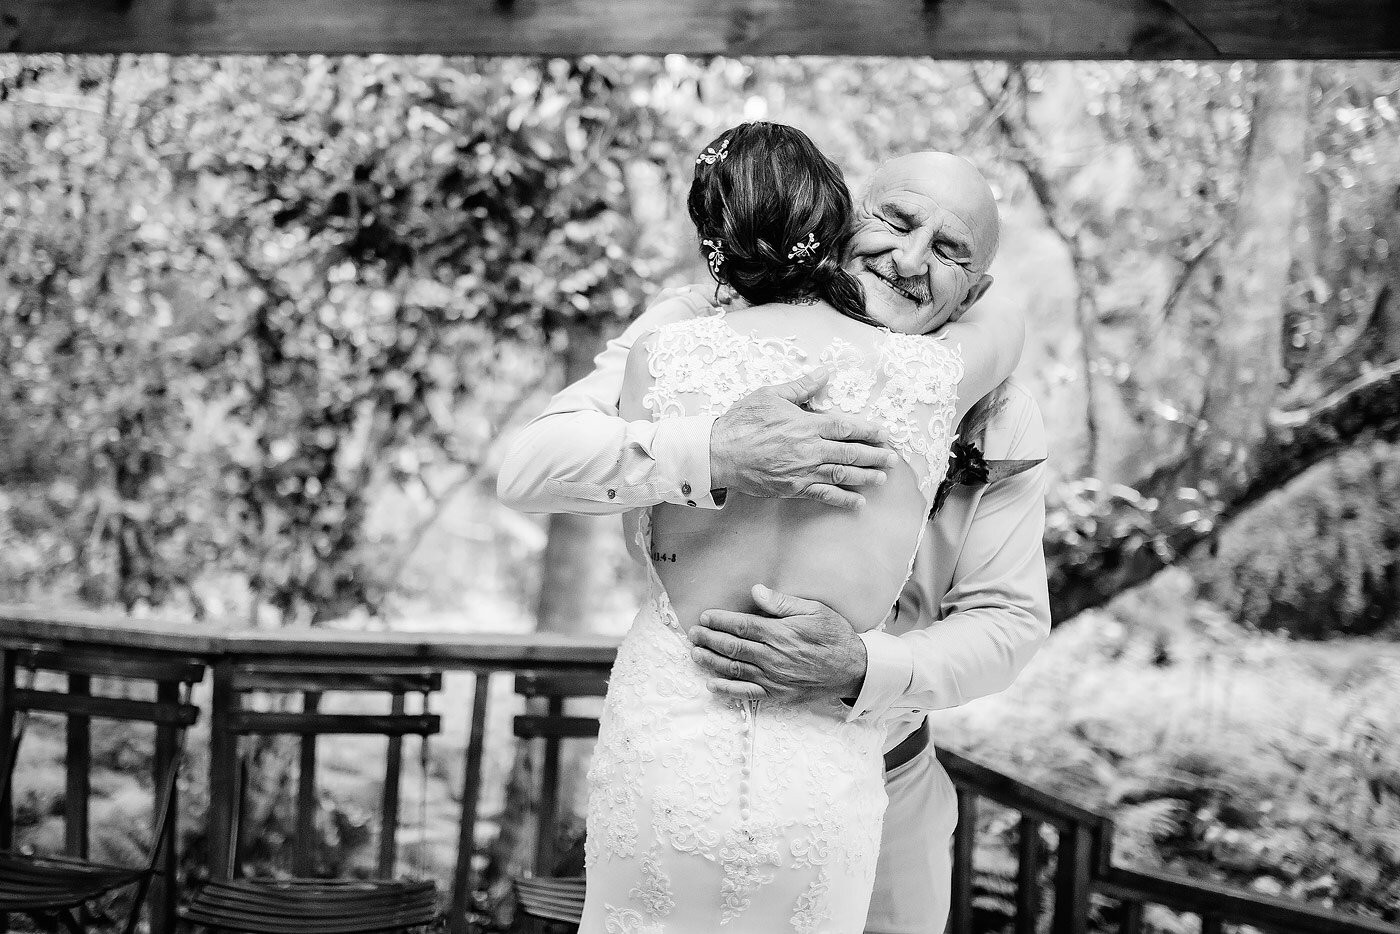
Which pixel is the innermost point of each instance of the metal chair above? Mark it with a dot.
(63, 889)
(302, 904)
(553, 898)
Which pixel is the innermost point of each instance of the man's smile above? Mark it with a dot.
(898, 284)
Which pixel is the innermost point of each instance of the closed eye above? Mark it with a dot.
(952, 254)
(897, 219)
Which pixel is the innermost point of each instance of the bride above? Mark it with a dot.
(707, 814)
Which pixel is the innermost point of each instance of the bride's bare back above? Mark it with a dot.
(855, 561)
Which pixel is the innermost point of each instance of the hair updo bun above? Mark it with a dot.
(774, 217)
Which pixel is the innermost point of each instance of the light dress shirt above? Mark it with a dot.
(977, 606)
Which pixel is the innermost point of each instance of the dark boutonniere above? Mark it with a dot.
(967, 466)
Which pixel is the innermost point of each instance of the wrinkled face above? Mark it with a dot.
(926, 231)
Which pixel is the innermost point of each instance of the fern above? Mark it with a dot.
(1141, 826)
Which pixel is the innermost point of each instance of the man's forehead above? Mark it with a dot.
(921, 207)
(949, 182)
(936, 182)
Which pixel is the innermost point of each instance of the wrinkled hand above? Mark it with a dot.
(766, 444)
(803, 650)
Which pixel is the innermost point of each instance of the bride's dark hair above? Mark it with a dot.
(774, 218)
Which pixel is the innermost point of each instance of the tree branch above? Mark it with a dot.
(1104, 541)
(1086, 310)
(440, 500)
(1188, 271)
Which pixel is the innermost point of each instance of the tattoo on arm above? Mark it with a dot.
(659, 556)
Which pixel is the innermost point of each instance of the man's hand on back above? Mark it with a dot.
(803, 650)
(766, 444)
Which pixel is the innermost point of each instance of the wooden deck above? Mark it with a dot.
(231, 651)
(961, 29)
(1078, 865)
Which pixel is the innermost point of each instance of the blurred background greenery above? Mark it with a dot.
(266, 322)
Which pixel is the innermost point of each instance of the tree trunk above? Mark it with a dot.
(1246, 350)
(573, 577)
(572, 582)
(1113, 540)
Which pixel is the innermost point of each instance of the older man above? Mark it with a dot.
(976, 608)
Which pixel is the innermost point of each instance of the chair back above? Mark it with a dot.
(554, 690)
(169, 709)
(546, 718)
(309, 684)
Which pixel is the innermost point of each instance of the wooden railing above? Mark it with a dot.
(1083, 865)
(1082, 856)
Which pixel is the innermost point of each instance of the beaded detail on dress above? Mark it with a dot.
(710, 815)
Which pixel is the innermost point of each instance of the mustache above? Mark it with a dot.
(916, 287)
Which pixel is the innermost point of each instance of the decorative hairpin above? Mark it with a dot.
(716, 256)
(805, 249)
(710, 156)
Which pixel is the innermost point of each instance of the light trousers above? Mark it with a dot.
(914, 875)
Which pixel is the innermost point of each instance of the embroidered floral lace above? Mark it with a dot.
(706, 815)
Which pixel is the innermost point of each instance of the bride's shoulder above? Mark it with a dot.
(687, 329)
(931, 348)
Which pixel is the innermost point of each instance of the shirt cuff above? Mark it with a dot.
(684, 445)
(889, 668)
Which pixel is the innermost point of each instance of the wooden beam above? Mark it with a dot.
(304, 849)
(1073, 874)
(77, 764)
(964, 848)
(1005, 29)
(389, 795)
(311, 723)
(1028, 900)
(223, 775)
(463, 877)
(115, 708)
(164, 888)
(530, 726)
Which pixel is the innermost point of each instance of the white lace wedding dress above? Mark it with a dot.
(707, 815)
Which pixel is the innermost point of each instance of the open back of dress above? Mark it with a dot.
(855, 561)
(710, 815)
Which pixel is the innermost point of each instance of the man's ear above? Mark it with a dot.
(977, 290)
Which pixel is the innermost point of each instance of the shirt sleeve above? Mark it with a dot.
(995, 614)
(579, 456)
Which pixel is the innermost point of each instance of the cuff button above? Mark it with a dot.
(690, 502)
(685, 487)
(612, 494)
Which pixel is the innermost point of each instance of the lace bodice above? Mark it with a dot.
(711, 815)
(907, 383)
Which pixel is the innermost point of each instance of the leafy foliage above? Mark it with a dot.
(278, 288)
(1322, 557)
(246, 304)
(1219, 753)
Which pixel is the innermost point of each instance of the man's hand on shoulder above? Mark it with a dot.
(767, 445)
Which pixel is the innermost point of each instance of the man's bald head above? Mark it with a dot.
(957, 185)
(927, 231)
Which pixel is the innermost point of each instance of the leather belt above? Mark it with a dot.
(909, 747)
